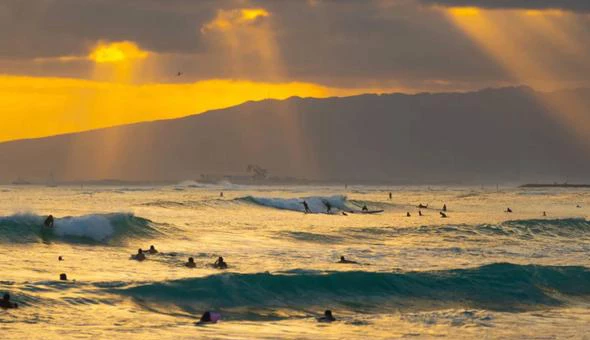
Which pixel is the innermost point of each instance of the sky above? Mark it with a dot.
(75, 65)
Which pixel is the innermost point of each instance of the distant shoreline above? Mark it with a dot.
(555, 186)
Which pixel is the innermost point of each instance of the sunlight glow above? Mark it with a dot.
(227, 19)
(115, 52)
(464, 11)
(512, 39)
(35, 107)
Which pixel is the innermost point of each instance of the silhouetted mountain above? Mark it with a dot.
(490, 135)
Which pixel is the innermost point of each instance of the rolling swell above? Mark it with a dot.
(518, 229)
(500, 286)
(98, 228)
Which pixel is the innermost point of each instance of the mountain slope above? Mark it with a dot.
(489, 135)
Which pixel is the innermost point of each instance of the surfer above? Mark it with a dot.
(306, 207)
(328, 207)
(191, 263)
(48, 221)
(422, 206)
(328, 317)
(140, 256)
(60, 258)
(444, 207)
(408, 214)
(220, 263)
(6, 303)
(544, 213)
(365, 208)
(343, 260)
(390, 195)
(221, 194)
(419, 212)
(508, 210)
(63, 277)
(443, 215)
(152, 250)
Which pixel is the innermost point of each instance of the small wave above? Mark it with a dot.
(500, 286)
(312, 237)
(223, 184)
(101, 228)
(164, 204)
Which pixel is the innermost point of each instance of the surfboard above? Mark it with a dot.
(367, 212)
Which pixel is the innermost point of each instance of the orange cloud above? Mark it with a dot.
(114, 52)
(227, 19)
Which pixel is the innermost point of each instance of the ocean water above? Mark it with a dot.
(481, 272)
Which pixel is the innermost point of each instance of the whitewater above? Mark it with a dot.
(480, 272)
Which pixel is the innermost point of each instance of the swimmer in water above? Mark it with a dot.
(328, 317)
(6, 303)
(60, 258)
(408, 214)
(48, 221)
(343, 260)
(209, 317)
(140, 256)
(220, 263)
(443, 215)
(191, 263)
(152, 250)
(63, 277)
(444, 207)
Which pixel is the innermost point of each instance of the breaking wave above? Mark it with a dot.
(96, 228)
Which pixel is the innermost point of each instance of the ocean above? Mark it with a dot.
(480, 272)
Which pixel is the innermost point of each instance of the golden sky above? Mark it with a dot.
(57, 79)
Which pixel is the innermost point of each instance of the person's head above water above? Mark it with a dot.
(139, 251)
(152, 247)
(342, 258)
(191, 260)
(63, 277)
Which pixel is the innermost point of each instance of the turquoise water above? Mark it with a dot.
(479, 272)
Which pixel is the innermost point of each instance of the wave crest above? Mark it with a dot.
(500, 286)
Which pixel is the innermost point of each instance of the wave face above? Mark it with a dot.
(105, 228)
(501, 286)
(316, 203)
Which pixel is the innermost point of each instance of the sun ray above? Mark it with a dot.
(506, 36)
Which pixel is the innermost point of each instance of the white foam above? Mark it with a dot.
(317, 204)
(96, 227)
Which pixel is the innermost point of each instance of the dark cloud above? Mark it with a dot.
(569, 5)
(396, 43)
